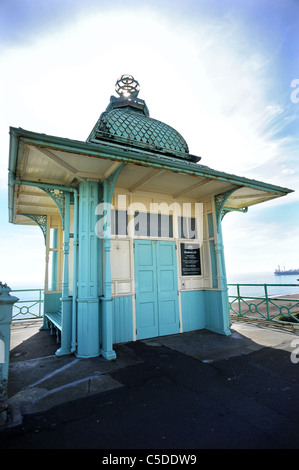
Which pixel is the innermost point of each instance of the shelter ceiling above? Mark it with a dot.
(65, 167)
(33, 201)
(60, 167)
(137, 178)
(246, 196)
(51, 166)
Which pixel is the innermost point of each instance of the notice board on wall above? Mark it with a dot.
(190, 259)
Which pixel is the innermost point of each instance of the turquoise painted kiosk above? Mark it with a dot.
(132, 227)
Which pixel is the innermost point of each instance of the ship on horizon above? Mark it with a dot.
(279, 272)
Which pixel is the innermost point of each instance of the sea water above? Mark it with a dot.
(264, 278)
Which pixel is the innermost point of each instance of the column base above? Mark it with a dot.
(63, 352)
(81, 356)
(107, 327)
(109, 355)
(88, 328)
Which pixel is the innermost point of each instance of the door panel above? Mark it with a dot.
(167, 288)
(148, 317)
(147, 283)
(156, 288)
(146, 290)
(145, 254)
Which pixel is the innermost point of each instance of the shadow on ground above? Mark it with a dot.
(226, 393)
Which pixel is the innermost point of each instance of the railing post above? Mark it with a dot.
(40, 303)
(6, 305)
(239, 299)
(267, 301)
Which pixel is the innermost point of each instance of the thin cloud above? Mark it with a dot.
(213, 72)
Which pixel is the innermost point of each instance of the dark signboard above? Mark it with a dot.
(190, 259)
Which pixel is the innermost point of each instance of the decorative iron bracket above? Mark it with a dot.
(41, 221)
(110, 182)
(220, 200)
(226, 210)
(58, 197)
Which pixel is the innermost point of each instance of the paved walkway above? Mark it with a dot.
(190, 391)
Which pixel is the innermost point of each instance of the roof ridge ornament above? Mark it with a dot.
(127, 89)
(127, 86)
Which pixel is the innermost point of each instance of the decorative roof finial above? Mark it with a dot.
(127, 86)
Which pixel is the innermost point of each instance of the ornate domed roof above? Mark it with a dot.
(137, 128)
(126, 121)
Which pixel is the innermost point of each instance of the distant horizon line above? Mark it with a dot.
(230, 274)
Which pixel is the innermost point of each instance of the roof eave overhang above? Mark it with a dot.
(13, 155)
(115, 152)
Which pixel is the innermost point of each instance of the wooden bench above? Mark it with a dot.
(54, 323)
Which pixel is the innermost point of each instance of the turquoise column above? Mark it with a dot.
(88, 326)
(66, 300)
(106, 300)
(223, 320)
(54, 260)
(107, 325)
(75, 274)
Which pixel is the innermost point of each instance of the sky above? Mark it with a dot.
(224, 73)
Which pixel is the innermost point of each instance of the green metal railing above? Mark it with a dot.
(277, 309)
(29, 305)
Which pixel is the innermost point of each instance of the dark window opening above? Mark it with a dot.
(153, 225)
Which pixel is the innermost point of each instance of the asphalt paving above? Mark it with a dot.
(177, 394)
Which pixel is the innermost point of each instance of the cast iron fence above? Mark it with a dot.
(273, 308)
(279, 309)
(29, 306)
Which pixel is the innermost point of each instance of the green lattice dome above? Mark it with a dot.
(136, 127)
(126, 121)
